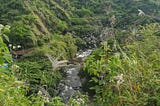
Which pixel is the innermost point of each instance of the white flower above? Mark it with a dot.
(19, 46)
(119, 82)
(46, 99)
(15, 66)
(14, 47)
(119, 79)
(39, 93)
(10, 45)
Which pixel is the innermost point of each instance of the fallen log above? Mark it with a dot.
(21, 52)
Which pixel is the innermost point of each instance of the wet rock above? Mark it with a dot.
(71, 84)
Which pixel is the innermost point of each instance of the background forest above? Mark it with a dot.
(122, 70)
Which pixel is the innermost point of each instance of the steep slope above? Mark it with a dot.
(41, 19)
(38, 19)
(48, 31)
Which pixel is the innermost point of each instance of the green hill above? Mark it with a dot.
(37, 35)
(39, 19)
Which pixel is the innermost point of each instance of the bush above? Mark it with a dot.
(37, 70)
(12, 91)
(126, 78)
(23, 35)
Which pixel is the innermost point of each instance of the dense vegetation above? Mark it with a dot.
(122, 70)
(127, 74)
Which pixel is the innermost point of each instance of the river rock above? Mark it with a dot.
(70, 85)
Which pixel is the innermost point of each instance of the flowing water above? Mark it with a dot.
(72, 83)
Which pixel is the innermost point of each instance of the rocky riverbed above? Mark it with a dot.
(71, 84)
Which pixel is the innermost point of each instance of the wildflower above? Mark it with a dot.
(19, 46)
(46, 99)
(15, 66)
(119, 79)
(10, 45)
(39, 93)
(14, 47)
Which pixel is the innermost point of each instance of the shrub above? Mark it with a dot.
(126, 78)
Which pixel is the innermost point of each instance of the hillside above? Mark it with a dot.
(39, 20)
(41, 39)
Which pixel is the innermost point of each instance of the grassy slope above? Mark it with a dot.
(59, 16)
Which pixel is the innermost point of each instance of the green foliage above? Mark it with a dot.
(79, 21)
(128, 76)
(83, 12)
(63, 46)
(70, 43)
(4, 52)
(41, 18)
(37, 70)
(56, 101)
(119, 74)
(150, 30)
(17, 82)
(12, 91)
(79, 100)
(23, 35)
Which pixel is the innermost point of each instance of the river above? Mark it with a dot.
(71, 84)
